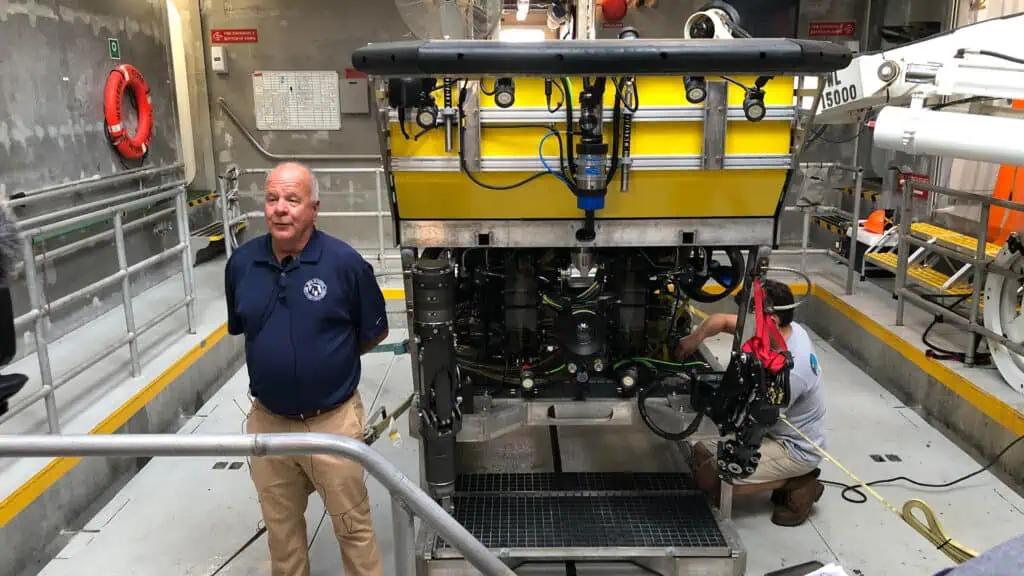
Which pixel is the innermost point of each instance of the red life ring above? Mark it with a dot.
(131, 147)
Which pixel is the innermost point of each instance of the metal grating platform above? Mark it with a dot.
(585, 510)
(573, 482)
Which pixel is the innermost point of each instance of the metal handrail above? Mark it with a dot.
(98, 204)
(90, 184)
(40, 311)
(405, 495)
(273, 156)
(979, 263)
(380, 213)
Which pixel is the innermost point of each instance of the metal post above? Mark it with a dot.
(806, 240)
(405, 538)
(178, 445)
(380, 218)
(981, 255)
(851, 254)
(126, 294)
(903, 247)
(753, 266)
(225, 215)
(725, 500)
(42, 354)
(186, 261)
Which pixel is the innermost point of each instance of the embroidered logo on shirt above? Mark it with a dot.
(814, 364)
(315, 289)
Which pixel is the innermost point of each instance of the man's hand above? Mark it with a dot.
(712, 326)
(687, 346)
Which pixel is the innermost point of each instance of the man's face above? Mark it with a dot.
(288, 207)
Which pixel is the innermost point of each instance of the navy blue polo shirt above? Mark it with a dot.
(304, 322)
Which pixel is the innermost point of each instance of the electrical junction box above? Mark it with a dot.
(355, 95)
(218, 60)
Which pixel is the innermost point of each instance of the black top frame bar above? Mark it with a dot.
(754, 56)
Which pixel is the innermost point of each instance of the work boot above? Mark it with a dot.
(10, 384)
(705, 474)
(793, 502)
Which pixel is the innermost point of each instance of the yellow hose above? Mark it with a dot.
(931, 528)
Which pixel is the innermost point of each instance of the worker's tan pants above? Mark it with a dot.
(776, 463)
(284, 484)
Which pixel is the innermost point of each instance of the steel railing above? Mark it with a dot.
(407, 498)
(113, 209)
(980, 263)
(382, 215)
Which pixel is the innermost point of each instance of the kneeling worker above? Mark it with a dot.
(309, 307)
(789, 464)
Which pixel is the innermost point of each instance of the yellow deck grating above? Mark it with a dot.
(923, 275)
(953, 239)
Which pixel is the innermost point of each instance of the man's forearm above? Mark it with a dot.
(714, 325)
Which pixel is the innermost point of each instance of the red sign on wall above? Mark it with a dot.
(832, 29)
(915, 178)
(234, 36)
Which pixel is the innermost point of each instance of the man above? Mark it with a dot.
(788, 463)
(309, 307)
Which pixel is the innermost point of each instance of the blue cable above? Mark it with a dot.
(540, 153)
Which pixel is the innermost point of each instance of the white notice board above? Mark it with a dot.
(296, 100)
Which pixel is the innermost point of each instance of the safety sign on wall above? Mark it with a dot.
(297, 100)
(234, 36)
(832, 29)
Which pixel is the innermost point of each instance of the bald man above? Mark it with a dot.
(309, 307)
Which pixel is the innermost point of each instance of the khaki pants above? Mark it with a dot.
(284, 483)
(776, 463)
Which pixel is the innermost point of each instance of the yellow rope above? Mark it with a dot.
(930, 528)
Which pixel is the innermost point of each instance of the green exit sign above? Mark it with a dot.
(114, 45)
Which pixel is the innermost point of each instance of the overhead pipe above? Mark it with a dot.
(283, 157)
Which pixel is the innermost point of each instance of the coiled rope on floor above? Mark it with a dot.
(931, 529)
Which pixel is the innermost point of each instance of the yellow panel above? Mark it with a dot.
(652, 91)
(652, 194)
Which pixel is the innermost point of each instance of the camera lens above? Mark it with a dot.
(702, 27)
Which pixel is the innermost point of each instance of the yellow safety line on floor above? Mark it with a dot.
(1004, 414)
(43, 480)
(988, 404)
(58, 467)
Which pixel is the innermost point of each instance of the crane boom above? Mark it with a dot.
(980, 60)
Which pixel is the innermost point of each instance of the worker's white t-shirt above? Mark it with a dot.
(807, 401)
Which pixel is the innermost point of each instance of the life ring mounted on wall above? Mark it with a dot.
(123, 79)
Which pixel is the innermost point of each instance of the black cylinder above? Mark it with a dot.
(630, 315)
(433, 296)
(433, 311)
(521, 301)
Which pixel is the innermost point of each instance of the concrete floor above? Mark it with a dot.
(89, 398)
(182, 516)
(873, 297)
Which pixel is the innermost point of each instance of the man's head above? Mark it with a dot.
(776, 294)
(291, 203)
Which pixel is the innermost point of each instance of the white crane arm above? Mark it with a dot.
(984, 59)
